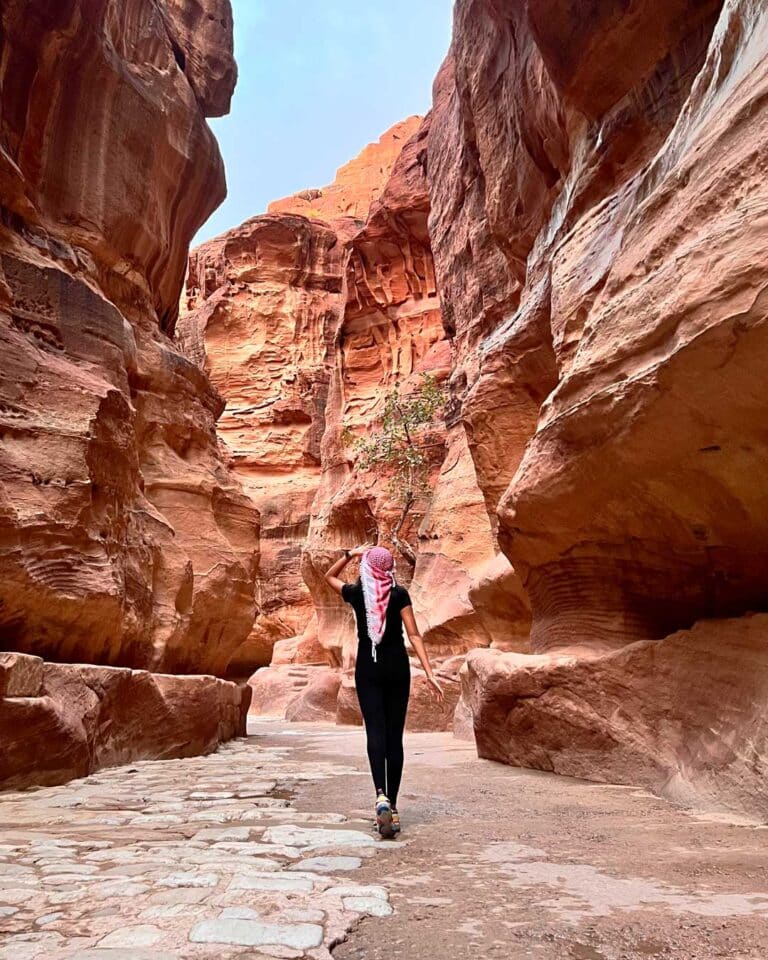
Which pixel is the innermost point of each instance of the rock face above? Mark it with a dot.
(124, 539)
(649, 713)
(261, 314)
(298, 692)
(60, 721)
(265, 299)
(391, 333)
(304, 324)
(358, 184)
(598, 201)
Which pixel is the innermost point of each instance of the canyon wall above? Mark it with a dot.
(263, 303)
(124, 539)
(598, 211)
(260, 315)
(305, 318)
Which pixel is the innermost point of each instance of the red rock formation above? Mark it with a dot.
(683, 716)
(304, 325)
(61, 721)
(123, 538)
(200, 32)
(674, 532)
(357, 184)
(261, 312)
(298, 692)
(266, 298)
(392, 333)
(597, 193)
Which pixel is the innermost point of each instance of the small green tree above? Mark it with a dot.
(401, 447)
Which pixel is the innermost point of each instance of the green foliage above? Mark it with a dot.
(401, 445)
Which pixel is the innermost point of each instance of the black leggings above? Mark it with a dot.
(384, 703)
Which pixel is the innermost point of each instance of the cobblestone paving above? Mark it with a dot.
(178, 859)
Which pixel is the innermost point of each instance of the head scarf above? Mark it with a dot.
(377, 577)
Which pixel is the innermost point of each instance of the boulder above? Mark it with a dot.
(683, 716)
(84, 717)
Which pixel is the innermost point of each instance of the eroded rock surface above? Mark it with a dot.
(124, 539)
(357, 184)
(266, 299)
(683, 716)
(261, 314)
(597, 207)
(59, 721)
(305, 324)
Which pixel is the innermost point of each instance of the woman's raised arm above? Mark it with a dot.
(330, 574)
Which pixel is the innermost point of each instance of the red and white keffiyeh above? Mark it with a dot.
(377, 577)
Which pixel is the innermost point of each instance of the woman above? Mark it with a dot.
(382, 671)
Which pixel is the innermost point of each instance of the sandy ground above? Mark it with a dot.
(499, 862)
(265, 849)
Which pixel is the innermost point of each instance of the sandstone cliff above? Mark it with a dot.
(598, 204)
(305, 318)
(260, 315)
(357, 185)
(124, 539)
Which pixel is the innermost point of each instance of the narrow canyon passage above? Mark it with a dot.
(520, 339)
(265, 849)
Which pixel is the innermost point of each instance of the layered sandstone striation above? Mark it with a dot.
(598, 202)
(124, 539)
(357, 184)
(59, 721)
(305, 318)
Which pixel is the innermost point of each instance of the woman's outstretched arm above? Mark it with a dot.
(421, 651)
(330, 574)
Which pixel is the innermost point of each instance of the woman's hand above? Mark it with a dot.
(437, 690)
(359, 551)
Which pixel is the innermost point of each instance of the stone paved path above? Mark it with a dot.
(265, 849)
(204, 857)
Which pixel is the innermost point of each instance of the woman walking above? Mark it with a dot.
(382, 671)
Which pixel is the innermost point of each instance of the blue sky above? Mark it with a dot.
(319, 79)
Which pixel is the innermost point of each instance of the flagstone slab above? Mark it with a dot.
(252, 933)
(316, 838)
(287, 884)
(142, 935)
(327, 864)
